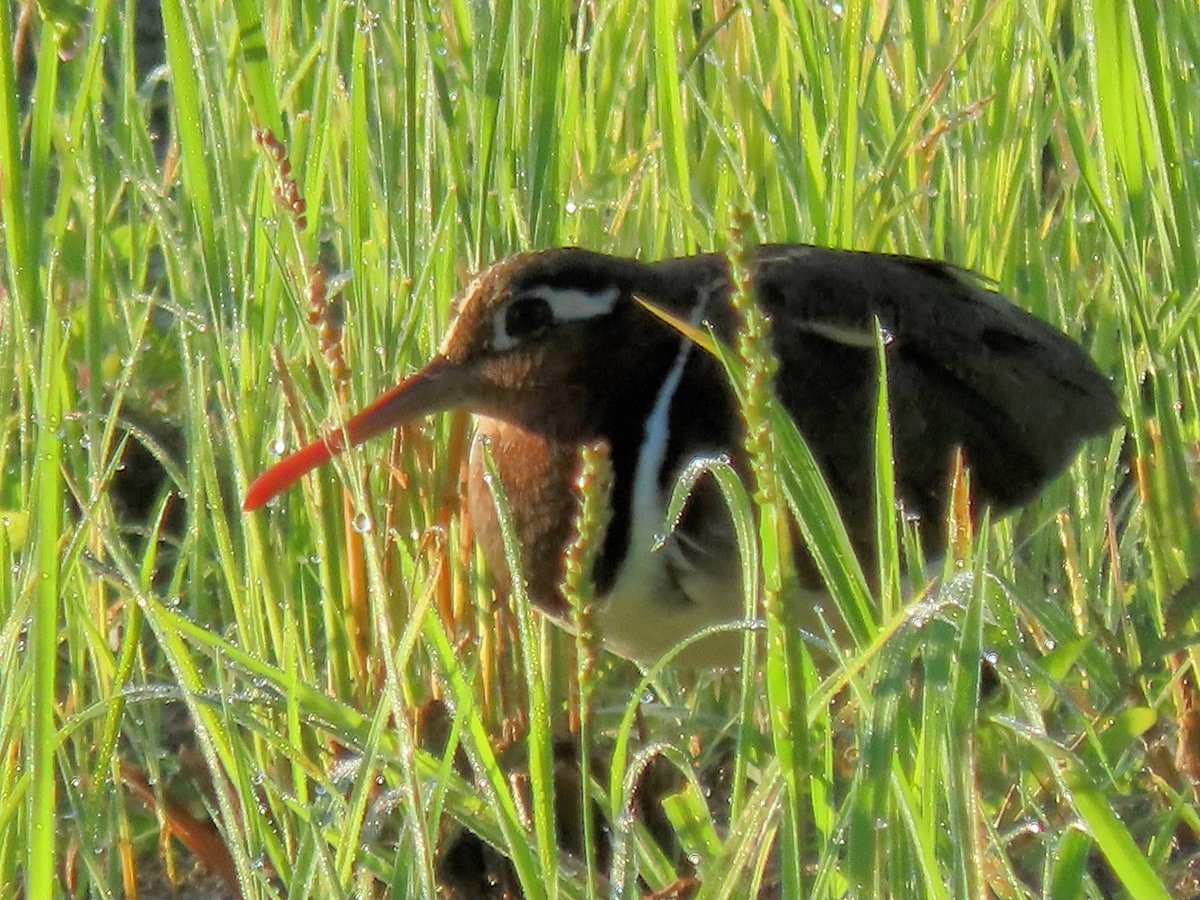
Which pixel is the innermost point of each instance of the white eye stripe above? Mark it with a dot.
(566, 305)
(572, 303)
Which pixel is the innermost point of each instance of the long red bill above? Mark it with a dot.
(437, 387)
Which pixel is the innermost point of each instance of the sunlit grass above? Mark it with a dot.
(155, 295)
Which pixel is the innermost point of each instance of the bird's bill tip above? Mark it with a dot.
(281, 476)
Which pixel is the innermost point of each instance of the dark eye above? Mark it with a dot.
(528, 317)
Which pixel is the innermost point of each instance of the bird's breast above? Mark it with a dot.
(535, 473)
(662, 589)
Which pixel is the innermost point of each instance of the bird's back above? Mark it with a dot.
(966, 368)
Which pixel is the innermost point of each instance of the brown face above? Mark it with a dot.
(518, 350)
(525, 342)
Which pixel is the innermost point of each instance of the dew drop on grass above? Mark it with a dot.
(362, 523)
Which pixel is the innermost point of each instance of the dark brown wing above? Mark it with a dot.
(965, 366)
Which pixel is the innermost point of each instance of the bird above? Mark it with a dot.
(554, 349)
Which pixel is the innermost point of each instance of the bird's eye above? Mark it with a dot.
(528, 317)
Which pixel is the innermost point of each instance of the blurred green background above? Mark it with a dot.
(283, 695)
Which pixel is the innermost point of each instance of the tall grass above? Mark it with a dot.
(155, 292)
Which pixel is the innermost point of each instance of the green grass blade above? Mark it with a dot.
(43, 848)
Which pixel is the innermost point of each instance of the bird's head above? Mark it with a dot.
(532, 335)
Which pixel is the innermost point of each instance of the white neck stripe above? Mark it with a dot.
(647, 510)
